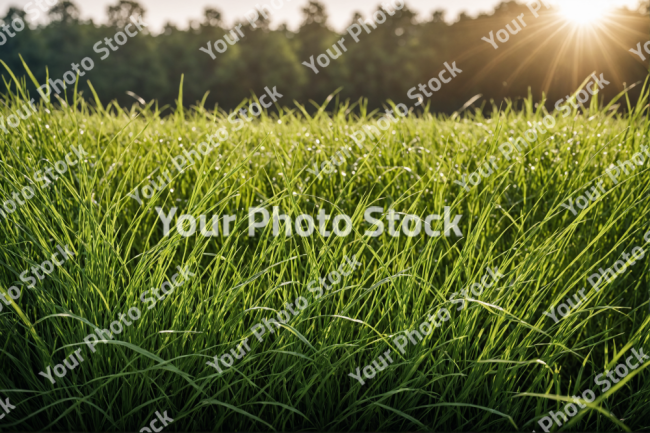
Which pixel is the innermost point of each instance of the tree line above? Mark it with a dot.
(543, 54)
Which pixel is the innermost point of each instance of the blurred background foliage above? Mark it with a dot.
(550, 56)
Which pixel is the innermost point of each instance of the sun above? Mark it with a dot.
(582, 12)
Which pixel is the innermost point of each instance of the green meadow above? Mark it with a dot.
(498, 364)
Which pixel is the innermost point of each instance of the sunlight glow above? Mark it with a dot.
(584, 12)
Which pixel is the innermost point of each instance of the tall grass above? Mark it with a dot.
(475, 373)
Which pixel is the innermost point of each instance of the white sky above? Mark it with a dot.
(340, 11)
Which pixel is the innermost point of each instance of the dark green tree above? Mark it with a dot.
(64, 12)
(119, 15)
(212, 17)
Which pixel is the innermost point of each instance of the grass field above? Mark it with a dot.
(499, 364)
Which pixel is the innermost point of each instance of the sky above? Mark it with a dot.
(180, 12)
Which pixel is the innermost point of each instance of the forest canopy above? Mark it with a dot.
(401, 53)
